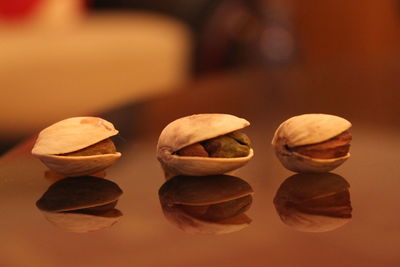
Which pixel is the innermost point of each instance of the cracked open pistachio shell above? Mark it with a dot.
(213, 204)
(312, 142)
(61, 146)
(81, 204)
(195, 129)
(314, 202)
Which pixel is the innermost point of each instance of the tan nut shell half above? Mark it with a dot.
(71, 135)
(192, 129)
(308, 129)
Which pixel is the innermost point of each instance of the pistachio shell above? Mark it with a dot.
(82, 223)
(72, 134)
(79, 165)
(192, 129)
(199, 166)
(308, 129)
(299, 163)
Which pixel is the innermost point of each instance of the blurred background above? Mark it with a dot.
(143, 63)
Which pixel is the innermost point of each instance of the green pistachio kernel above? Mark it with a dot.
(225, 147)
(240, 137)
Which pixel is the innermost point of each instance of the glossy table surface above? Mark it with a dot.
(143, 236)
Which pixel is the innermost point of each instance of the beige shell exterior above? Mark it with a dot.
(79, 165)
(81, 223)
(192, 225)
(308, 129)
(299, 163)
(192, 129)
(71, 135)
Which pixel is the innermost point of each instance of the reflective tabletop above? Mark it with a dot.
(348, 217)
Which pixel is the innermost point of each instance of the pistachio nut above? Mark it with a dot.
(81, 204)
(214, 204)
(314, 202)
(313, 142)
(77, 146)
(203, 144)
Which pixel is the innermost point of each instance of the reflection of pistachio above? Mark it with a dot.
(103, 147)
(81, 222)
(81, 204)
(314, 202)
(97, 210)
(78, 193)
(219, 211)
(52, 176)
(208, 204)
